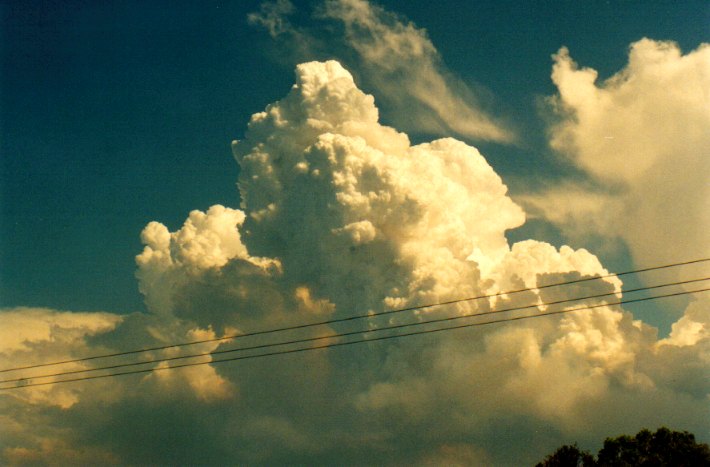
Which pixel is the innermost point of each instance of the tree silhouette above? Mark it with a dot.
(662, 448)
(568, 456)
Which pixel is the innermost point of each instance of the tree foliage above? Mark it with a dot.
(662, 448)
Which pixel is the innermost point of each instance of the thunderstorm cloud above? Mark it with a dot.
(342, 215)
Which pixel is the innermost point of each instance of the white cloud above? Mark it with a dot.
(33, 335)
(342, 215)
(367, 221)
(24, 327)
(404, 66)
(206, 241)
(692, 327)
(643, 137)
(320, 175)
(398, 61)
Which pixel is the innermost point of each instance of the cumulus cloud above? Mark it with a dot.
(341, 215)
(206, 241)
(398, 61)
(30, 335)
(642, 137)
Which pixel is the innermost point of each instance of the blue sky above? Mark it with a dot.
(116, 114)
(387, 155)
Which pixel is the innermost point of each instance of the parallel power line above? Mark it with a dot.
(357, 317)
(346, 334)
(24, 383)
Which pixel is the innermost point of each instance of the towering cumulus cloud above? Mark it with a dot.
(340, 216)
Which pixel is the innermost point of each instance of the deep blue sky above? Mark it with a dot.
(114, 114)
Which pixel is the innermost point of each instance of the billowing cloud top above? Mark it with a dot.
(320, 175)
(342, 215)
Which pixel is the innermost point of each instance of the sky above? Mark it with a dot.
(181, 171)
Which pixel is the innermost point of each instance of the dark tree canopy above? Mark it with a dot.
(662, 448)
(568, 456)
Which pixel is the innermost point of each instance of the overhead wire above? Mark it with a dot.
(355, 317)
(339, 344)
(350, 333)
(24, 383)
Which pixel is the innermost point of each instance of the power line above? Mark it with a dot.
(356, 317)
(372, 339)
(338, 344)
(345, 334)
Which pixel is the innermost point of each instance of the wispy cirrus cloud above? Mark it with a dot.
(398, 62)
